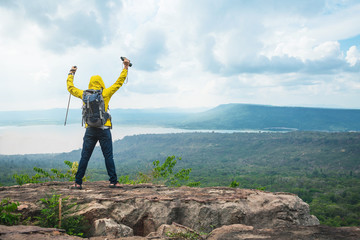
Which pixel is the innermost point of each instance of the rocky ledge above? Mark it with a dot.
(144, 211)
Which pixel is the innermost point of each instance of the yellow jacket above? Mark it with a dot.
(97, 83)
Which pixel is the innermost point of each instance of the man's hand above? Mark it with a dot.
(126, 63)
(73, 70)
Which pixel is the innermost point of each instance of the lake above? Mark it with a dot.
(58, 138)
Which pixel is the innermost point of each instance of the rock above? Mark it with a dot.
(21, 232)
(239, 231)
(231, 232)
(144, 208)
(174, 230)
(230, 228)
(108, 227)
(93, 210)
(22, 207)
(125, 238)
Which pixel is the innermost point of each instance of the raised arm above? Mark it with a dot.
(108, 92)
(70, 84)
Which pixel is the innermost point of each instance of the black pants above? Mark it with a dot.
(91, 137)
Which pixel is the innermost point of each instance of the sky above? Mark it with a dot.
(185, 53)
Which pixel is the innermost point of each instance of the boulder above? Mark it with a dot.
(108, 227)
(175, 231)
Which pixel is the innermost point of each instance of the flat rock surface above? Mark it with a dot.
(239, 231)
(100, 191)
(33, 232)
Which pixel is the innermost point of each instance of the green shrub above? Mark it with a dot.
(234, 184)
(163, 173)
(193, 184)
(44, 176)
(7, 215)
(184, 235)
(50, 216)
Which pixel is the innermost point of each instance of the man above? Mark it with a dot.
(95, 134)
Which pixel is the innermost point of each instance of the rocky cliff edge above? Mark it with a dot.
(145, 211)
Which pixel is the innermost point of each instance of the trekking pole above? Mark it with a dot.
(67, 110)
(73, 70)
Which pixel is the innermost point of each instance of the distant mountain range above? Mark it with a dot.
(222, 117)
(262, 117)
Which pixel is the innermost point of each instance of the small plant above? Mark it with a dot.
(7, 215)
(143, 178)
(44, 176)
(234, 184)
(49, 216)
(71, 173)
(75, 225)
(125, 179)
(56, 213)
(165, 172)
(261, 188)
(193, 184)
(184, 235)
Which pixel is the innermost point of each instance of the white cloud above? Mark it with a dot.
(184, 53)
(353, 56)
(329, 49)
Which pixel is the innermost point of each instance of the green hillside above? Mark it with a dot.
(246, 116)
(224, 154)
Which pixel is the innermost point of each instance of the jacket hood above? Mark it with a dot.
(96, 83)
